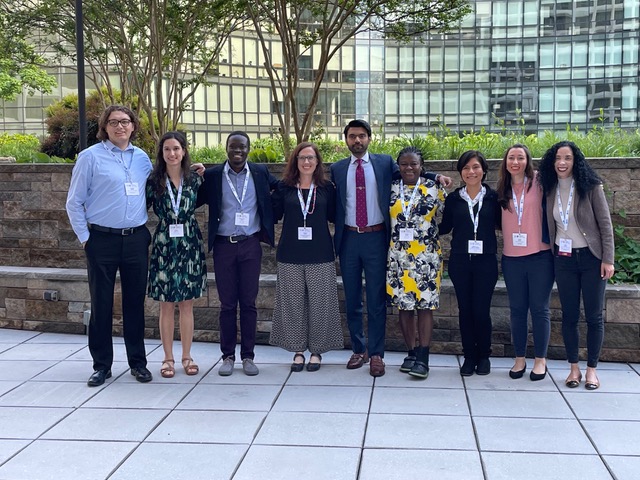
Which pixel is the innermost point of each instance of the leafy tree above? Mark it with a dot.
(160, 50)
(329, 24)
(20, 66)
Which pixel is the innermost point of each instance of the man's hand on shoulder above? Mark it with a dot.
(443, 180)
(198, 168)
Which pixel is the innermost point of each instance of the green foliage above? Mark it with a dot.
(21, 68)
(627, 258)
(25, 149)
(63, 126)
(208, 155)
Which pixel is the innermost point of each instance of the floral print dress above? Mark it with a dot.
(177, 269)
(414, 268)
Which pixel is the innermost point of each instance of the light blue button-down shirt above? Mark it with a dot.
(97, 191)
(231, 206)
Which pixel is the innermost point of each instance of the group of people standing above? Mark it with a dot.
(388, 217)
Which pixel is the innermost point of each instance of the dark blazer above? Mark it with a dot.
(385, 169)
(211, 193)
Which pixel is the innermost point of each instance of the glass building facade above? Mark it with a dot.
(517, 64)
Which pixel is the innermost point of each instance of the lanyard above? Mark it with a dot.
(120, 160)
(175, 202)
(564, 216)
(232, 186)
(303, 207)
(406, 208)
(519, 209)
(471, 203)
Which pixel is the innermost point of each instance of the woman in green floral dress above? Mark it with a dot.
(177, 270)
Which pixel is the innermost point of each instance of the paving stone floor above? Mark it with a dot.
(332, 424)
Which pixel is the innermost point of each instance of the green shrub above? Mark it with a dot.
(208, 155)
(19, 146)
(627, 258)
(63, 126)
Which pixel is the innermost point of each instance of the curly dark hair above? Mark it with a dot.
(504, 177)
(104, 119)
(158, 177)
(291, 174)
(584, 175)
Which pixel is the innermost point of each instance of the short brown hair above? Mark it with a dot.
(291, 174)
(104, 119)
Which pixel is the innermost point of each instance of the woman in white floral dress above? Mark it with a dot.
(414, 267)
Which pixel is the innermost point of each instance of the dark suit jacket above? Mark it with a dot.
(385, 169)
(211, 193)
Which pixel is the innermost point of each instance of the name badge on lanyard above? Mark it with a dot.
(304, 232)
(176, 230)
(241, 218)
(408, 234)
(565, 243)
(519, 239)
(131, 189)
(474, 246)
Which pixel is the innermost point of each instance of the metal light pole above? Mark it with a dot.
(82, 110)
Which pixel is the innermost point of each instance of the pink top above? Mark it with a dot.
(531, 222)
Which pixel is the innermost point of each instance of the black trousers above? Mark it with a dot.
(106, 254)
(474, 278)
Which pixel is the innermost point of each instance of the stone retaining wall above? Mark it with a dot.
(35, 234)
(22, 307)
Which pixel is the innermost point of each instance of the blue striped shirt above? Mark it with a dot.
(97, 191)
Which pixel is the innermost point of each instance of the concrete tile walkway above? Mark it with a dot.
(332, 424)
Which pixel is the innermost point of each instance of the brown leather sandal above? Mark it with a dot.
(169, 370)
(190, 368)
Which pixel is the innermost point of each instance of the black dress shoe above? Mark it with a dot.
(483, 367)
(142, 374)
(98, 377)
(515, 374)
(468, 367)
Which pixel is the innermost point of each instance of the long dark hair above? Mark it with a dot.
(504, 190)
(584, 176)
(291, 175)
(158, 177)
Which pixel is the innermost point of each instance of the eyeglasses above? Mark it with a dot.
(307, 158)
(124, 123)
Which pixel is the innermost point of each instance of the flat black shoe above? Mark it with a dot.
(535, 377)
(98, 377)
(142, 374)
(407, 363)
(515, 374)
(468, 367)
(419, 370)
(483, 367)
(314, 366)
(297, 367)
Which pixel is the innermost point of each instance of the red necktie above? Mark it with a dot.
(361, 196)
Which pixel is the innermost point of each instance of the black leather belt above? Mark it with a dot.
(234, 238)
(116, 231)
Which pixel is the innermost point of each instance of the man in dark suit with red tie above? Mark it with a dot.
(363, 184)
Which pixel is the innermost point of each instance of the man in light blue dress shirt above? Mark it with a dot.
(107, 209)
